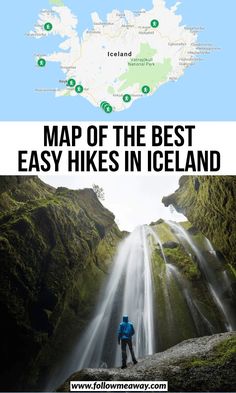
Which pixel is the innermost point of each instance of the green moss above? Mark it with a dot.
(107, 248)
(186, 225)
(164, 232)
(178, 255)
(170, 305)
(222, 353)
(55, 249)
(187, 266)
(169, 289)
(232, 269)
(209, 204)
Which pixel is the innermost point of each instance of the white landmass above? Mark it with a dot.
(121, 55)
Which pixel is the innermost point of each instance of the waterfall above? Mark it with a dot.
(210, 247)
(158, 241)
(200, 324)
(224, 276)
(214, 281)
(138, 292)
(128, 291)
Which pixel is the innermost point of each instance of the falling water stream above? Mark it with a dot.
(214, 282)
(128, 291)
(192, 310)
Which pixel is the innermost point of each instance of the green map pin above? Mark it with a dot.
(154, 23)
(41, 62)
(71, 82)
(108, 108)
(127, 98)
(146, 89)
(48, 26)
(79, 89)
(103, 103)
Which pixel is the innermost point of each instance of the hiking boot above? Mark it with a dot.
(123, 366)
(135, 361)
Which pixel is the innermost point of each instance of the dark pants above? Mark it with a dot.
(124, 343)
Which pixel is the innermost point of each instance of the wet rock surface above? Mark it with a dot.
(209, 202)
(170, 245)
(56, 246)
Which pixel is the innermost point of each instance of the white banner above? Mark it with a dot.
(117, 148)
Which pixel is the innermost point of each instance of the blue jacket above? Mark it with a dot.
(126, 329)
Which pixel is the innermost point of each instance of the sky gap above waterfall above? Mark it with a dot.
(135, 200)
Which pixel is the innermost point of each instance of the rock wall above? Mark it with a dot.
(181, 292)
(209, 204)
(55, 251)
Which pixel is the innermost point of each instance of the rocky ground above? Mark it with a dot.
(206, 364)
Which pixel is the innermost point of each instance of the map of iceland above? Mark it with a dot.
(121, 59)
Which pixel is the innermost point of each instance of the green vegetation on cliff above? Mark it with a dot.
(209, 204)
(55, 249)
(181, 293)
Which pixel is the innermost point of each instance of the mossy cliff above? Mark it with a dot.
(209, 204)
(55, 249)
(183, 304)
(205, 364)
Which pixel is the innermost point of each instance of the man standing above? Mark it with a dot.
(125, 333)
